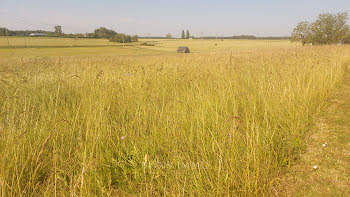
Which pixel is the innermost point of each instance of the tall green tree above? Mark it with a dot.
(301, 33)
(3, 31)
(327, 29)
(183, 34)
(187, 34)
(58, 30)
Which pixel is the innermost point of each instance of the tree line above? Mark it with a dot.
(113, 36)
(6, 32)
(247, 37)
(101, 32)
(327, 29)
(240, 37)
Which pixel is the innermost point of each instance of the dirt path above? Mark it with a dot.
(332, 176)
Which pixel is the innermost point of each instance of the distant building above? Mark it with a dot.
(183, 50)
(37, 34)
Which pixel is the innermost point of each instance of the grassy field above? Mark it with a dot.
(100, 47)
(143, 120)
(52, 42)
(328, 147)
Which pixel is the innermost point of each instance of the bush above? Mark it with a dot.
(121, 38)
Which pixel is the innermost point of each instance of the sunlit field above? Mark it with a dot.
(52, 42)
(143, 120)
(102, 47)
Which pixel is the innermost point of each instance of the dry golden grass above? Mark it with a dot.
(328, 148)
(195, 124)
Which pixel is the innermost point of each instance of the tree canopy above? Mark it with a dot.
(58, 30)
(187, 34)
(122, 38)
(327, 29)
(103, 32)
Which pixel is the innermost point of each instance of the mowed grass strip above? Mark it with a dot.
(327, 148)
(197, 125)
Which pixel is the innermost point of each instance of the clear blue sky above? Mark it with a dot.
(159, 17)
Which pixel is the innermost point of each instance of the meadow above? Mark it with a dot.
(49, 47)
(52, 42)
(227, 119)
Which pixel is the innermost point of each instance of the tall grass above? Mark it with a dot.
(168, 125)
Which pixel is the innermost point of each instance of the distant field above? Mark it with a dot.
(102, 47)
(224, 120)
(198, 45)
(52, 42)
